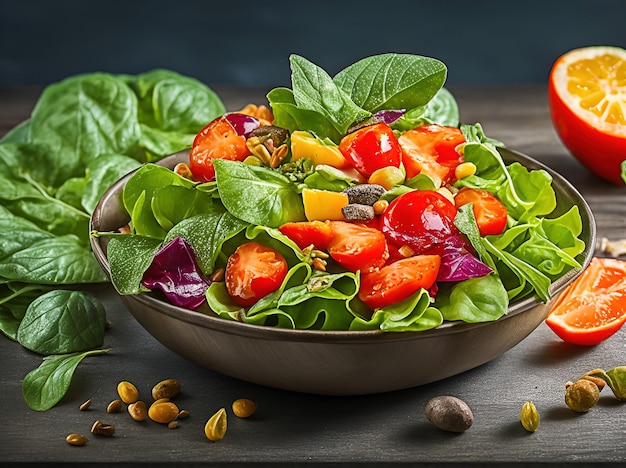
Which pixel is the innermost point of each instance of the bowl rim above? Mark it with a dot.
(213, 322)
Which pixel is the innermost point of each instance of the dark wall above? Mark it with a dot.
(248, 42)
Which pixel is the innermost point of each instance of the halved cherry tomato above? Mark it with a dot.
(422, 220)
(431, 150)
(357, 247)
(253, 271)
(217, 140)
(593, 307)
(306, 233)
(490, 213)
(398, 280)
(370, 148)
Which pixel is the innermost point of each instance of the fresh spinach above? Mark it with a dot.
(63, 321)
(258, 195)
(129, 257)
(84, 133)
(44, 387)
(392, 81)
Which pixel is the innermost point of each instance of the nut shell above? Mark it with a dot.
(449, 413)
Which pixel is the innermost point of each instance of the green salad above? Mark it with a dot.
(354, 202)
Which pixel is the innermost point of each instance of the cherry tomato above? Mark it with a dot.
(370, 148)
(253, 271)
(398, 280)
(422, 220)
(490, 213)
(357, 247)
(306, 233)
(217, 140)
(431, 150)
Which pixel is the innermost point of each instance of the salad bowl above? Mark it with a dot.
(337, 362)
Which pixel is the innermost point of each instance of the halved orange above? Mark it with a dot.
(593, 307)
(587, 98)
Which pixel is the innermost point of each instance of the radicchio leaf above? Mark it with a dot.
(174, 271)
(457, 265)
(242, 123)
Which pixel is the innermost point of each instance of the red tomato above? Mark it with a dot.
(490, 213)
(357, 247)
(217, 140)
(398, 280)
(306, 233)
(252, 272)
(431, 150)
(371, 148)
(421, 219)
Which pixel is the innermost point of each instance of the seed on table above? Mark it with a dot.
(244, 408)
(102, 429)
(85, 405)
(127, 392)
(76, 439)
(168, 388)
(172, 425)
(115, 406)
(163, 412)
(183, 414)
(215, 428)
(138, 410)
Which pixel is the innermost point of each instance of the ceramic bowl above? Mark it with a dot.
(336, 362)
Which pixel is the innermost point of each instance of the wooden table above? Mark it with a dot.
(301, 429)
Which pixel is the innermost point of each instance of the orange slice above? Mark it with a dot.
(587, 97)
(593, 307)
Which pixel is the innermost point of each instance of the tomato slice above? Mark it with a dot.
(490, 213)
(422, 220)
(306, 233)
(593, 307)
(253, 271)
(398, 280)
(357, 247)
(371, 148)
(431, 149)
(217, 140)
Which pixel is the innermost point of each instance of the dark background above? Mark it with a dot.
(248, 43)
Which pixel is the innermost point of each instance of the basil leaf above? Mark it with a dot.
(392, 81)
(314, 90)
(45, 386)
(258, 195)
(63, 321)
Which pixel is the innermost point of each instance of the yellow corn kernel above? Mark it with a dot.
(388, 177)
(465, 169)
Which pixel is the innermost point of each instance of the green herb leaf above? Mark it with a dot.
(63, 321)
(45, 386)
(129, 257)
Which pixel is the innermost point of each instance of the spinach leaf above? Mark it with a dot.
(129, 257)
(53, 260)
(314, 90)
(63, 321)
(258, 195)
(45, 386)
(392, 81)
(288, 115)
(102, 173)
(206, 233)
(14, 300)
(83, 117)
